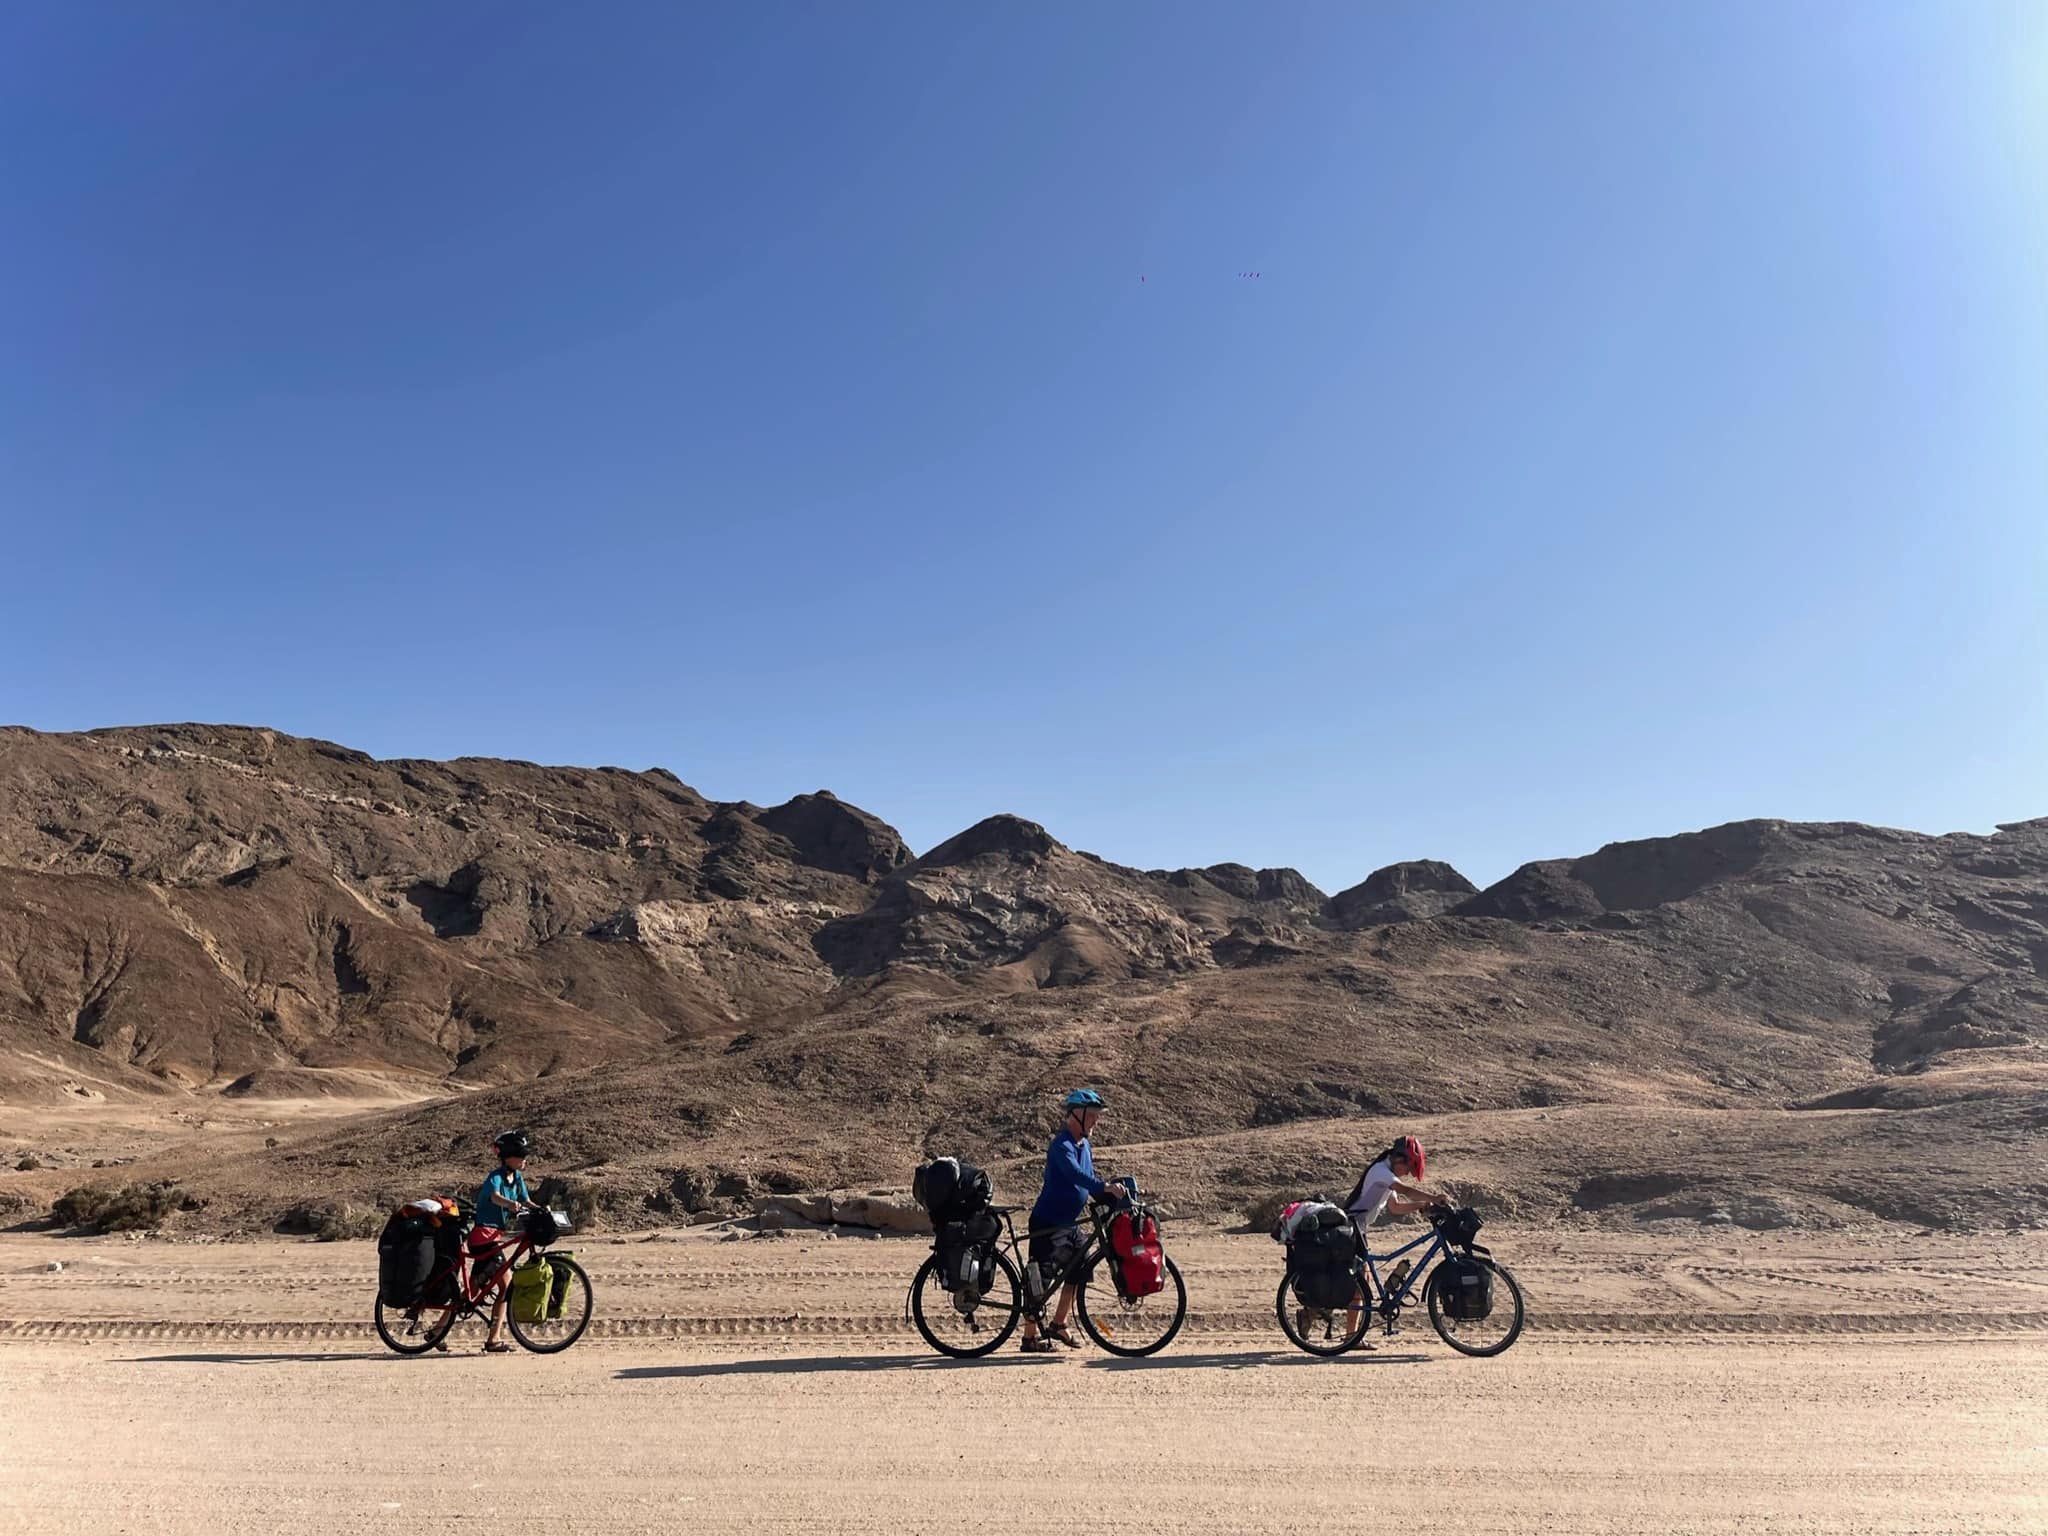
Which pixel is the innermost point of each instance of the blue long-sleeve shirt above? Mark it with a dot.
(1069, 1181)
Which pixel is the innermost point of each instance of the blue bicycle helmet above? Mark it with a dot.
(1084, 1098)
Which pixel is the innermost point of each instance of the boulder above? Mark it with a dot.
(882, 1213)
(816, 1209)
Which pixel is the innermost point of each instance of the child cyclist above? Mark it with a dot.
(498, 1206)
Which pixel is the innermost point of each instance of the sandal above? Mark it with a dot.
(497, 1347)
(1064, 1334)
(1036, 1346)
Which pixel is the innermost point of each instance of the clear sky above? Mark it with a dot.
(1640, 420)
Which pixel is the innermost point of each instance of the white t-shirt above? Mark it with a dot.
(1370, 1198)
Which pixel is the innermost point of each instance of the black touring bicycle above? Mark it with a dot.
(968, 1297)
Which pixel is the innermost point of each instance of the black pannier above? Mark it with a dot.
(440, 1291)
(951, 1190)
(1324, 1258)
(967, 1253)
(406, 1256)
(1465, 1290)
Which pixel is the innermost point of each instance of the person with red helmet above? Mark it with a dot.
(1383, 1189)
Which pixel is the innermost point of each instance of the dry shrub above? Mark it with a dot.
(131, 1208)
(81, 1207)
(1260, 1215)
(332, 1221)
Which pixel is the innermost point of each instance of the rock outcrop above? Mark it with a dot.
(1400, 893)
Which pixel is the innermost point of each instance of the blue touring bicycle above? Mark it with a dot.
(1473, 1302)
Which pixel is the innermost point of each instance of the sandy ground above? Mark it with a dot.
(1770, 1384)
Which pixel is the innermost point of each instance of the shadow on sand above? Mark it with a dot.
(1248, 1360)
(780, 1365)
(332, 1358)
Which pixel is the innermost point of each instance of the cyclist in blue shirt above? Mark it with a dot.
(498, 1204)
(1070, 1182)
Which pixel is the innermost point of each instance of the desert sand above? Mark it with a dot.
(731, 1382)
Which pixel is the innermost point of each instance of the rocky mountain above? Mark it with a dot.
(205, 907)
(186, 906)
(1764, 1023)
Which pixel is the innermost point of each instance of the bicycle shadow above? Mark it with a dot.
(1250, 1360)
(224, 1358)
(778, 1365)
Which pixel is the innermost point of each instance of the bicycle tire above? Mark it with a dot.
(411, 1344)
(1284, 1307)
(556, 1346)
(1095, 1332)
(1006, 1273)
(1437, 1320)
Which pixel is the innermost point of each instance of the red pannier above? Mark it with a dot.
(1140, 1261)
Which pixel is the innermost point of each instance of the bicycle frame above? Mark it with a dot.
(514, 1247)
(1093, 1247)
(1436, 1244)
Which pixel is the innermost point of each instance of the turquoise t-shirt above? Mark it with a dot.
(503, 1186)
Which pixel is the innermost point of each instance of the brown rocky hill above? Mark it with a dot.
(189, 905)
(689, 1002)
(202, 907)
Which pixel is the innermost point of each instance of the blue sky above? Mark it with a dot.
(1640, 421)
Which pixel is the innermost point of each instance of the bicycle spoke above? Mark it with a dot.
(1487, 1335)
(966, 1322)
(962, 1319)
(1126, 1325)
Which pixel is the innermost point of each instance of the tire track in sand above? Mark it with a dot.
(1234, 1323)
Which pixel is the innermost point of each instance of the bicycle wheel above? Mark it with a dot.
(413, 1331)
(555, 1333)
(959, 1324)
(1137, 1326)
(1484, 1336)
(1321, 1331)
